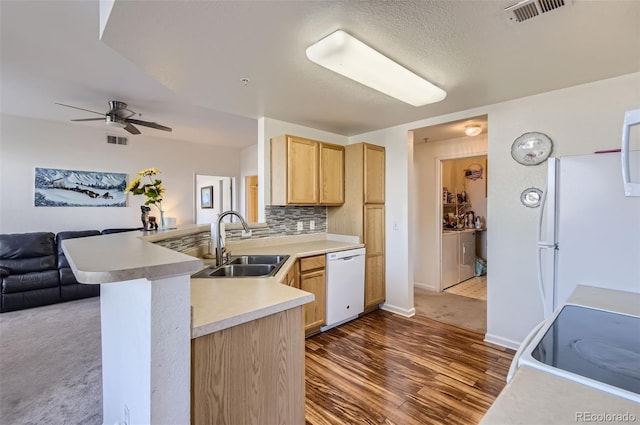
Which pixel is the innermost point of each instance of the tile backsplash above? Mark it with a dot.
(283, 221)
(187, 242)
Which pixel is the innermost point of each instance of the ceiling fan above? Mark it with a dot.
(119, 116)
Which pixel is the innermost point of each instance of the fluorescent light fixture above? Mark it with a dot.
(473, 130)
(353, 59)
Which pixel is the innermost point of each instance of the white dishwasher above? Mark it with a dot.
(345, 286)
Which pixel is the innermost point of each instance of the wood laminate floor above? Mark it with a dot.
(388, 369)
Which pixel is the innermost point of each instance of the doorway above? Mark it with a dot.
(251, 198)
(213, 195)
(464, 214)
(436, 150)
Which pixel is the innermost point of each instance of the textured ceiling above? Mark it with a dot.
(180, 62)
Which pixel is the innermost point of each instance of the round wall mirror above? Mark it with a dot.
(531, 197)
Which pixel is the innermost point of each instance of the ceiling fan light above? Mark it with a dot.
(115, 121)
(473, 130)
(351, 58)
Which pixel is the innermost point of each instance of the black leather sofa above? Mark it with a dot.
(35, 271)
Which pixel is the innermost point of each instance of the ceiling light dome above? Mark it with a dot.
(473, 130)
(351, 58)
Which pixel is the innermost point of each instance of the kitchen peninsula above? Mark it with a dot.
(151, 309)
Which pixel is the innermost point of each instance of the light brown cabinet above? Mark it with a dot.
(331, 171)
(306, 172)
(373, 174)
(229, 365)
(312, 279)
(291, 279)
(363, 213)
(374, 288)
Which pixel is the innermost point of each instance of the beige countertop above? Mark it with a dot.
(216, 303)
(221, 303)
(125, 256)
(454, 231)
(537, 397)
(541, 398)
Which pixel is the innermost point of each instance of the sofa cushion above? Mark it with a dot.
(62, 260)
(27, 252)
(30, 281)
(78, 291)
(28, 299)
(67, 277)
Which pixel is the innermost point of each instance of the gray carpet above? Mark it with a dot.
(464, 312)
(50, 365)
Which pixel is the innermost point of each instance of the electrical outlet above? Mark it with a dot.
(246, 234)
(300, 226)
(312, 225)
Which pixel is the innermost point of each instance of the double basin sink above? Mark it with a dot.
(245, 266)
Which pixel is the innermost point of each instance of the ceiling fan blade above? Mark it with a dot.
(90, 119)
(150, 124)
(131, 129)
(82, 109)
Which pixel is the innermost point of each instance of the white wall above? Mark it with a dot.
(221, 197)
(268, 128)
(29, 143)
(428, 225)
(578, 119)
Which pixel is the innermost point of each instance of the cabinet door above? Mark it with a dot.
(374, 281)
(449, 264)
(291, 279)
(373, 174)
(302, 171)
(331, 174)
(374, 229)
(374, 286)
(315, 311)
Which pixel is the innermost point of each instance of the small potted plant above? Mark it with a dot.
(152, 190)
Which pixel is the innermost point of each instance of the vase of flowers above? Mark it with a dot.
(151, 188)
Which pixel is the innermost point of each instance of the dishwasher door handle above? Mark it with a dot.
(348, 258)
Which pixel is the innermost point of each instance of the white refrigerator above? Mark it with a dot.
(588, 230)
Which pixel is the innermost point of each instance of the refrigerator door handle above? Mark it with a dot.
(543, 203)
(542, 246)
(631, 118)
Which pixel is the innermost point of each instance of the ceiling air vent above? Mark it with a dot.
(528, 9)
(117, 140)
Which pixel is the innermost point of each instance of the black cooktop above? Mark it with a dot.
(596, 344)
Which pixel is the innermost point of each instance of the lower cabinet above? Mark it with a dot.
(312, 278)
(251, 373)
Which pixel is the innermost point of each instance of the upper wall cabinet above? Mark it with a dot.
(373, 174)
(306, 172)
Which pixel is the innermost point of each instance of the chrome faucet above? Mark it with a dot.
(220, 251)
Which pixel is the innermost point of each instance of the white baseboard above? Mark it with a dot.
(424, 286)
(503, 342)
(397, 310)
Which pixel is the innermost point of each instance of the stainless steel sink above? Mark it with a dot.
(258, 259)
(245, 266)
